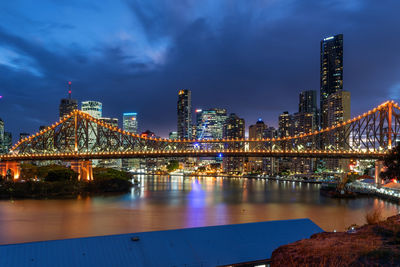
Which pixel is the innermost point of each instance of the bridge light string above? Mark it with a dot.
(116, 129)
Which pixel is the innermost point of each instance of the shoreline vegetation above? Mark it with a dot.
(56, 181)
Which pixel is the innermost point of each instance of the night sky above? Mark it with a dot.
(251, 57)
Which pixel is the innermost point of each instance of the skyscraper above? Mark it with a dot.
(285, 120)
(184, 114)
(1, 136)
(256, 131)
(93, 108)
(130, 122)
(331, 72)
(308, 101)
(210, 123)
(234, 128)
(338, 112)
(7, 142)
(67, 105)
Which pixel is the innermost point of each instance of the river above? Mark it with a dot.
(162, 202)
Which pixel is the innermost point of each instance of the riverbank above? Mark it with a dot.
(265, 177)
(370, 245)
(62, 189)
(373, 190)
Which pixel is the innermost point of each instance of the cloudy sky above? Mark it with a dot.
(250, 57)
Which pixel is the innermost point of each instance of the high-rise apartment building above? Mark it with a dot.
(130, 122)
(234, 128)
(184, 114)
(210, 123)
(308, 101)
(67, 105)
(331, 72)
(7, 142)
(256, 131)
(93, 108)
(338, 112)
(285, 120)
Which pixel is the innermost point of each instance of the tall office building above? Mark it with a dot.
(308, 101)
(184, 114)
(285, 120)
(210, 123)
(2, 149)
(130, 122)
(256, 131)
(7, 142)
(331, 72)
(234, 128)
(93, 108)
(67, 105)
(338, 112)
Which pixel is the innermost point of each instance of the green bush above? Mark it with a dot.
(61, 175)
(108, 173)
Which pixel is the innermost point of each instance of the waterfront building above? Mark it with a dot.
(256, 131)
(210, 123)
(184, 114)
(271, 165)
(130, 122)
(234, 128)
(339, 109)
(93, 108)
(331, 72)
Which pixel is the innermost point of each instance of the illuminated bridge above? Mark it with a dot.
(79, 138)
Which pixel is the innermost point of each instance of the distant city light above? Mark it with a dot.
(329, 38)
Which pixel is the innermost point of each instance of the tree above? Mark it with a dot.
(392, 164)
(61, 175)
(173, 165)
(28, 171)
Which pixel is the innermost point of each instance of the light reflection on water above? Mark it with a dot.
(162, 202)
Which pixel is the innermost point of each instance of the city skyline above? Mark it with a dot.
(33, 81)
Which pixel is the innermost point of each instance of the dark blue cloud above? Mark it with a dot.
(251, 57)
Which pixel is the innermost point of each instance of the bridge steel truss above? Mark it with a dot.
(78, 136)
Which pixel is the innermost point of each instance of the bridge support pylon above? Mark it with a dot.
(13, 166)
(83, 168)
(378, 170)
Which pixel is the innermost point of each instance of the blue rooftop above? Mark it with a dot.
(204, 246)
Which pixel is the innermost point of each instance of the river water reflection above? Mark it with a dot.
(162, 202)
